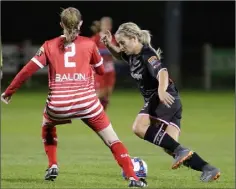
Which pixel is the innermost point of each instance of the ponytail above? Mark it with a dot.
(70, 34)
(146, 40)
(71, 21)
(145, 37)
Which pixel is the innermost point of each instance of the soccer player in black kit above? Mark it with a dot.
(158, 122)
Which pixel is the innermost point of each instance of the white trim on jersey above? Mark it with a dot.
(37, 62)
(92, 115)
(66, 108)
(69, 91)
(99, 63)
(72, 100)
(79, 112)
(71, 95)
(79, 117)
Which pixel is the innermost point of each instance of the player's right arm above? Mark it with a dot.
(36, 63)
(114, 50)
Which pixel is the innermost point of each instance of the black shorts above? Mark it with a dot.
(159, 111)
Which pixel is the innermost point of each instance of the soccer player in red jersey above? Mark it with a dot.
(70, 59)
(104, 84)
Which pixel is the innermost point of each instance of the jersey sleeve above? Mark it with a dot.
(26, 72)
(40, 57)
(96, 59)
(154, 65)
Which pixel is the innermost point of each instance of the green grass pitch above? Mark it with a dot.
(84, 161)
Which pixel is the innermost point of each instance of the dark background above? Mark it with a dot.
(201, 22)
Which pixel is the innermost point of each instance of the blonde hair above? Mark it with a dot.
(131, 29)
(70, 18)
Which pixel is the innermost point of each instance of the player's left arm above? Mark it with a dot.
(159, 71)
(97, 61)
(163, 78)
(36, 63)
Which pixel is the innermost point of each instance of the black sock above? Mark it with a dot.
(156, 135)
(195, 162)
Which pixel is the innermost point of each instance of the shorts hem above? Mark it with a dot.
(166, 122)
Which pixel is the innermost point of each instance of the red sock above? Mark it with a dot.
(122, 157)
(49, 137)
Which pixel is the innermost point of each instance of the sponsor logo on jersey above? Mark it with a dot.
(137, 76)
(70, 77)
(153, 60)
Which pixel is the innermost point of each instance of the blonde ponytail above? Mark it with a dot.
(145, 37)
(70, 34)
(70, 19)
(159, 52)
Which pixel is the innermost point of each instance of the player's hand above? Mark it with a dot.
(106, 37)
(5, 99)
(166, 98)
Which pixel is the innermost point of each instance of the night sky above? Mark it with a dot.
(201, 21)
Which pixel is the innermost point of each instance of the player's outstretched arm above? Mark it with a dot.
(114, 50)
(28, 70)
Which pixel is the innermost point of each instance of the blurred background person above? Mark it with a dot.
(105, 84)
(95, 27)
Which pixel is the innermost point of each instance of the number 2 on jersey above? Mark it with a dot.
(69, 54)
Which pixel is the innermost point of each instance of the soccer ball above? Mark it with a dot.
(140, 168)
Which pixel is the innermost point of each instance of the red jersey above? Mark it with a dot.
(107, 57)
(71, 80)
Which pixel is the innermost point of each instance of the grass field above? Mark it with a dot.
(207, 127)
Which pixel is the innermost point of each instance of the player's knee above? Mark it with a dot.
(108, 135)
(139, 129)
(141, 125)
(49, 135)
